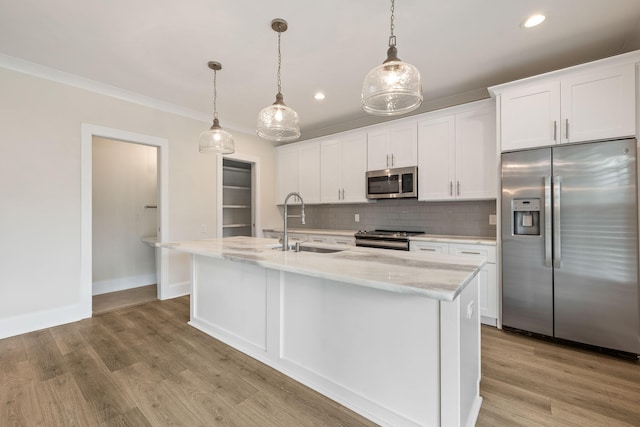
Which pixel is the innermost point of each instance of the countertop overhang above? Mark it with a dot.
(434, 276)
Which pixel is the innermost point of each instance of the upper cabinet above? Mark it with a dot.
(298, 170)
(343, 163)
(583, 103)
(457, 153)
(392, 145)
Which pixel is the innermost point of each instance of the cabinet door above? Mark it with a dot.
(404, 144)
(378, 155)
(436, 165)
(489, 294)
(599, 105)
(530, 116)
(331, 170)
(487, 275)
(354, 167)
(286, 172)
(309, 171)
(475, 152)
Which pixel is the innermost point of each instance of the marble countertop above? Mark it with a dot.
(435, 276)
(472, 240)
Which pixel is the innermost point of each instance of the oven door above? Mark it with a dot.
(382, 243)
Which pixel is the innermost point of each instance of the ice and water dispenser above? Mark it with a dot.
(526, 217)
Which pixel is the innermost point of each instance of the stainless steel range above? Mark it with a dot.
(385, 239)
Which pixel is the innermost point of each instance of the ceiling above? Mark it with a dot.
(160, 48)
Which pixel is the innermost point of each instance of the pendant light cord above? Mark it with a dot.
(215, 95)
(392, 37)
(279, 63)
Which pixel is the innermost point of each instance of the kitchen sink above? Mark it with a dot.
(319, 250)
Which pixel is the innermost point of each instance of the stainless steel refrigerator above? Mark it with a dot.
(570, 243)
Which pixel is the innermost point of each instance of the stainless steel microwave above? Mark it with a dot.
(392, 183)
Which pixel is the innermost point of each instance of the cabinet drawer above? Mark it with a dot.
(349, 241)
(488, 252)
(313, 238)
(296, 237)
(429, 247)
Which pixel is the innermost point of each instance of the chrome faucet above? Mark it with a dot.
(285, 235)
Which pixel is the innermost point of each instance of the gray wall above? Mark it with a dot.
(453, 218)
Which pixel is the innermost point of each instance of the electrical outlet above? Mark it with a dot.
(203, 228)
(356, 217)
(493, 220)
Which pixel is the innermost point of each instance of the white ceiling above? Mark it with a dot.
(160, 48)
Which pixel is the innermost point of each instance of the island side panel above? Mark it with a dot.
(229, 301)
(375, 351)
(460, 371)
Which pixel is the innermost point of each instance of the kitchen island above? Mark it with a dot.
(393, 336)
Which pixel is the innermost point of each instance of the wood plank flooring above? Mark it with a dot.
(532, 382)
(127, 298)
(144, 366)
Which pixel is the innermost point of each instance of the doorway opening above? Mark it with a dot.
(124, 223)
(160, 145)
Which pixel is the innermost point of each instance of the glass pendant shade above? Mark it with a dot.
(277, 122)
(392, 88)
(216, 140)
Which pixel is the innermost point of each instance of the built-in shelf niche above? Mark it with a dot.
(237, 215)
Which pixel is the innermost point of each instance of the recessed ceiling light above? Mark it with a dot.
(533, 20)
(319, 96)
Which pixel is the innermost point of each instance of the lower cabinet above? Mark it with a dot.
(488, 276)
(330, 239)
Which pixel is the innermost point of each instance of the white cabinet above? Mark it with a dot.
(487, 275)
(332, 239)
(286, 171)
(584, 105)
(457, 154)
(598, 105)
(392, 145)
(343, 163)
(298, 169)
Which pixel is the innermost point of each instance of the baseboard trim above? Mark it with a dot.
(22, 324)
(123, 283)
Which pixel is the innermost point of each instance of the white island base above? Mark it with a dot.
(398, 359)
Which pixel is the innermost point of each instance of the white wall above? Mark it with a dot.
(124, 182)
(40, 158)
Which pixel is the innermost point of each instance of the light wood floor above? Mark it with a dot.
(143, 365)
(127, 298)
(530, 382)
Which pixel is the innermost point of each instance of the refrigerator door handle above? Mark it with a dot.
(547, 221)
(557, 255)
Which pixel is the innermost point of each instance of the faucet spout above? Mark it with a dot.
(285, 235)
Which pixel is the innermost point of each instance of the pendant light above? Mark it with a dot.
(394, 87)
(216, 139)
(277, 122)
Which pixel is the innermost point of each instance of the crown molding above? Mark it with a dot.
(47, 73)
